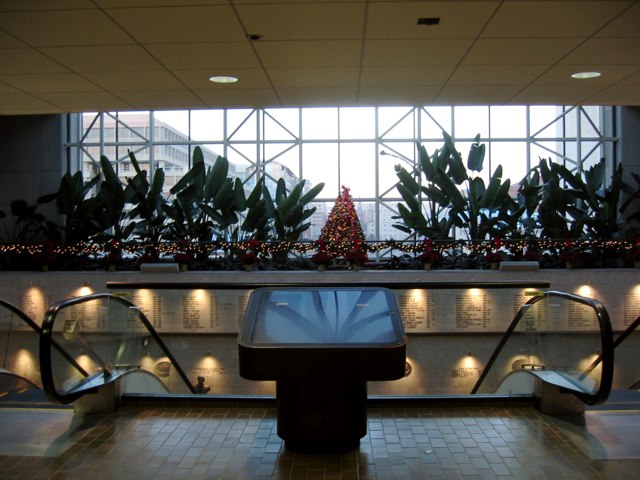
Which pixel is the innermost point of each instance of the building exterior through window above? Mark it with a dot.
(357, 147)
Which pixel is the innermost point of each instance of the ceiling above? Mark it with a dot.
(99, 55)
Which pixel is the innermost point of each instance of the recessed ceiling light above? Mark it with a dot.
(223, 79)
(583, 75)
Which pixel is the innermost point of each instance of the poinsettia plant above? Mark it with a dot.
(182, 256)
(321, 257)
(357, 256)
(250, 255)
(531, 254)
(428, 256)
(494, 256)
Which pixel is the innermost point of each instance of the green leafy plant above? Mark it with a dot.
(206, 203)
(147, 220)
(454, 198)
(29, 225)
(565, 204)
(81, 212)
(291, 210)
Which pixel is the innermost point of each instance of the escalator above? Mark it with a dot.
(20, 383)
(89, 342)
(626, 375)
(555, 338)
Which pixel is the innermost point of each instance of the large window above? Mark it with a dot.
(355, 147)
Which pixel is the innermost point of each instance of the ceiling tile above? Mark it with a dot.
(617, 95)
(496, 74)
(329, 53)
(404, 76)
(9, 41)
(476, 94)
(551, 18)
(162, 49)
(632, 79)
(13, 6)
(26, 60)
(22, 104)
(152, 3)
(150, 79)
(160, 99)
(555, 94)
(519, 51)
(5, 89)
(85, 101)
(393, 96)
(314, 77)
(398, 20)
(191, 56)
(392, 53)
(304, 21)
(180, 24)
(239, 98)
(606, 51)
(318, 97)
(244, 2)
(50, 82)
(112, 58)
(63, 28)
(625, 25)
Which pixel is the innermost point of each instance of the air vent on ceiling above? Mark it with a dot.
(429, 21)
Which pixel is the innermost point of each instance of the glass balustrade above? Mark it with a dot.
(103, 338)
(19, 337)
(627, 367)
(559, 338)
(555, 337)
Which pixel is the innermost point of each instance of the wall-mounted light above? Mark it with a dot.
(407, 369)
(146, 341)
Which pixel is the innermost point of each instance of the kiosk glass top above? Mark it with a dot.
(327, 316)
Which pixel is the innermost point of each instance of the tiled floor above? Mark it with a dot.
(241, 443)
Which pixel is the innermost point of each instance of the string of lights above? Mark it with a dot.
(588, 250)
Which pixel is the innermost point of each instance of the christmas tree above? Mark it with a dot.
(343, 223)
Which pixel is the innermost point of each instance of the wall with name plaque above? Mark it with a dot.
(190, 310)
(454, 319)
(462, 309)
(423, 310)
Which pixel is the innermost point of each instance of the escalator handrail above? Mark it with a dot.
(606, 339)
(620, 338)
(38, 330)
(21, 314)
(616, 343)
(46, 341)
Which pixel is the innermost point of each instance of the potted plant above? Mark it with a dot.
(493, 259)
(321, 258)
(114, 255)
(428, 258)
(356, 258)
(250, 255)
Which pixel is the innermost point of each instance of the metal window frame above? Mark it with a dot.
(384, 143)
